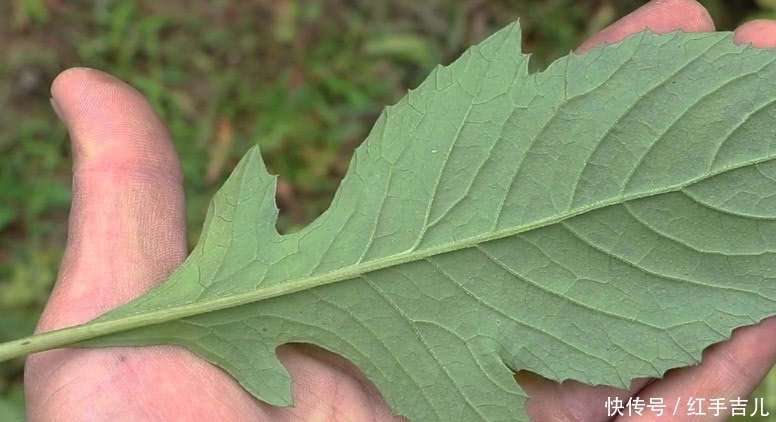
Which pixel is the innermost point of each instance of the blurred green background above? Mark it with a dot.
(305, 80)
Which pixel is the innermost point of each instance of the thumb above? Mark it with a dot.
(127, 221)
(127, 233)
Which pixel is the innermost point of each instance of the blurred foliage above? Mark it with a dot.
(303, 79)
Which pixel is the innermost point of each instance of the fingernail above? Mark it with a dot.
(56, 108)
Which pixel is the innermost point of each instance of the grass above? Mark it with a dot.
(304, 80)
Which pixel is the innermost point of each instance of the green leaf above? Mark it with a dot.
(605, 219)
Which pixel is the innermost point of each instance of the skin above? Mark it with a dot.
(127, 232)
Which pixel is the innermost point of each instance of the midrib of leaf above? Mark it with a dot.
(71, 335)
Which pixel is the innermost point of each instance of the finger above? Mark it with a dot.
(760, 33)
(660, 16)
(570, 400)
(127, 233)
(127, 221)
(731, 369)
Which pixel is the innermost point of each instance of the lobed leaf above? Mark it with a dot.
(605, 219)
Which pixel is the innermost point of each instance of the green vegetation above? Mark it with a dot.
(304, 80)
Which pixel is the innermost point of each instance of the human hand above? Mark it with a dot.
(729, 370)
(127, 232)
